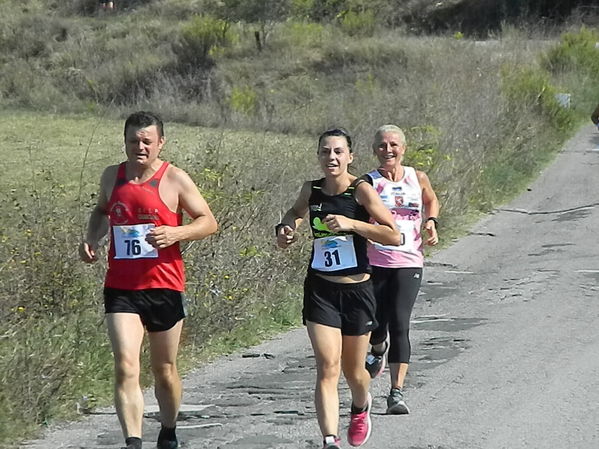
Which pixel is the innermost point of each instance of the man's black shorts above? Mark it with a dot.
(159, 308)
(349, 307)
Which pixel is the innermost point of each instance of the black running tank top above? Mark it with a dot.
(336, 254)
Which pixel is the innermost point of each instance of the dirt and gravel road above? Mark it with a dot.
(505, 345)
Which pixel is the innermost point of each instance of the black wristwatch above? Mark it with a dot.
(434, 220)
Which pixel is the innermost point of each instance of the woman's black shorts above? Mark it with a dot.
(349, 307)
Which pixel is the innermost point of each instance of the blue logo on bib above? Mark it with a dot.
(330, 244)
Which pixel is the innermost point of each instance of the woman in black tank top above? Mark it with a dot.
(338, 299)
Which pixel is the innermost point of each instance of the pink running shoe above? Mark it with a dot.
(332, 442)
(360, 426)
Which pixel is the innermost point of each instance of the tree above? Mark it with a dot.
(264, 14)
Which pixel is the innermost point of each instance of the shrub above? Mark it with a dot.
(243, 99)
(532, 87)
(301, 9)
(576, 51)
(198, 38)
(423, 147)
(318, 10)
(358, 23)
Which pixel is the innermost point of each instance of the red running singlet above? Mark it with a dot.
(133, 264)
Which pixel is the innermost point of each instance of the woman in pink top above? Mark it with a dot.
(397, 270)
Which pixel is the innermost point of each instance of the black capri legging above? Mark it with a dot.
(395, 290)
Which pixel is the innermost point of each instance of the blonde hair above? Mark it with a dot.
(391, 129)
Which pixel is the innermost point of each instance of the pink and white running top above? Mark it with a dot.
(404, 199)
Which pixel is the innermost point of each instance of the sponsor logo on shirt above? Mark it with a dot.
(118, 213)
(147, 214)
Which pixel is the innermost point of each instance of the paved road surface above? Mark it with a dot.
(505, 345)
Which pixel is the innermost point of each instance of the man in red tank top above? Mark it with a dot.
(140, 204)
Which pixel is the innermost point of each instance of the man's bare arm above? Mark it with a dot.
(193, 203)
(97, 227)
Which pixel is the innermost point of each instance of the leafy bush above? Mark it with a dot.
(576, 51)
(243, 99)
(532, 87)
(574, 61)
(424, 147)
(317, 10)
(199, 38)
(358, 23)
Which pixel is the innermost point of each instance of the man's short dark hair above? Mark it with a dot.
(143, 119)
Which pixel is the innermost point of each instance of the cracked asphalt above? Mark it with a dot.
(505, 347)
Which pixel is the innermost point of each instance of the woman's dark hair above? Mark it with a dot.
(338, 132)
(143, 119)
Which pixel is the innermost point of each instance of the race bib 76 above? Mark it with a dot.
(130, 242)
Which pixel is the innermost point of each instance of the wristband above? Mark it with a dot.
(434, 220)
